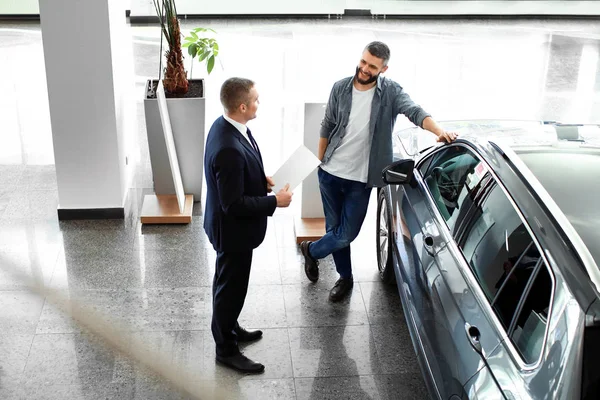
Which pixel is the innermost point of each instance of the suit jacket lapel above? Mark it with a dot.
(245, 143)
(249, 147)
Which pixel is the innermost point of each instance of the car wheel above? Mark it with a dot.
(384, 238)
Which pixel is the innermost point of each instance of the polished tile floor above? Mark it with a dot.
(152, 283)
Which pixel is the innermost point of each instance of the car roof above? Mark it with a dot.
(512, 133)
(563, 174)
(520, 135)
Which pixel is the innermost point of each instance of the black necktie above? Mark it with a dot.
(252, 141)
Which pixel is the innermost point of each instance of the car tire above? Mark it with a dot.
(385, 262)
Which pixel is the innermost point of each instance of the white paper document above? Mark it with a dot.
(300, 164)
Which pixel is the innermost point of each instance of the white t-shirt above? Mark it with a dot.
(351, 159)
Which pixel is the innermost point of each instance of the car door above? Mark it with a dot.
(438, 294)
(418, 271)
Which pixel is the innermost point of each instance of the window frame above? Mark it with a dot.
(468, 273)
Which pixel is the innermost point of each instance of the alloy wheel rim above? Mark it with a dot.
(383, 237)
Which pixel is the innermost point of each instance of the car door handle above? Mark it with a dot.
(474, 336)
(428, 245)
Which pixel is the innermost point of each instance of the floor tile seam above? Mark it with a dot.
(22, 373)
(24, 290)
(15, 288)
(326, 326)
(35, 331)
(170, 331)
(289, 343)
(136, 331)
(279, 266)
(285, 306)
(340, 376)
(362, 293)
(41, 189)
(144, 287)
(387, 325)
(87, 331)
(245, 378)
(162, 248)
(50, 282)
(137, 288)
(295, 386)
(332, 282)
(132, 288)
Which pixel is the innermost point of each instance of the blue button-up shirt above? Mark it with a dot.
(389, 100)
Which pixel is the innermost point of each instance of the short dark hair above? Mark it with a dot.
(234, 92)
(379, 50)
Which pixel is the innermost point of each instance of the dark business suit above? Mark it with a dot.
(235, 220)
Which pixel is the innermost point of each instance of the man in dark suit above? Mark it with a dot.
(235, 217)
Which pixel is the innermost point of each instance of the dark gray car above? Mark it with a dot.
(494, 242)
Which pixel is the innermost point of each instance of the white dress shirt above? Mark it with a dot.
(240, 127)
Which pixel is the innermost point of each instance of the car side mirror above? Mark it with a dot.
(399, 172)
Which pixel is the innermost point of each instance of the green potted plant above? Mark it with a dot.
(205, 48)
(185, 103)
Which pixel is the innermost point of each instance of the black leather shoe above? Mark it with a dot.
(247, 336)
(241, 363)
(341, 289)
(311, 266)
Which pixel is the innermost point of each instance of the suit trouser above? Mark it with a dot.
(230, 285)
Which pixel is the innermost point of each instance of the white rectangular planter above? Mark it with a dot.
(187, 122)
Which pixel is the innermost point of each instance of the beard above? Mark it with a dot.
(371, 78)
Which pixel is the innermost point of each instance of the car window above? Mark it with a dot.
(529, 329)
(452, 177)
(509, 268)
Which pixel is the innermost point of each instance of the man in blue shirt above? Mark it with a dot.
(355, 145)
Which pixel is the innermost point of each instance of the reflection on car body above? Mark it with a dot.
(493, 243)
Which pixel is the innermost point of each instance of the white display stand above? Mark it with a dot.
(311, 224)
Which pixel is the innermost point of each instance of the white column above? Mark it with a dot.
(89, 72)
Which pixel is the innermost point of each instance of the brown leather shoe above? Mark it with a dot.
(341, 289)
(241, 363)
(311, 266)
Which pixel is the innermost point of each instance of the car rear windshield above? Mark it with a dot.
(572, 178)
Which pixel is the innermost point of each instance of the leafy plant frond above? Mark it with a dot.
(205, 48)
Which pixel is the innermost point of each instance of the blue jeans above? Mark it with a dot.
(345, 204)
